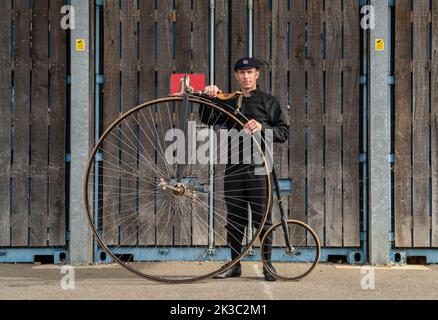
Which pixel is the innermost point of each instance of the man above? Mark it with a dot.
(241, 185)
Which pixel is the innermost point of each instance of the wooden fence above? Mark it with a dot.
(33, 59)
(312, 55)
(416, 127)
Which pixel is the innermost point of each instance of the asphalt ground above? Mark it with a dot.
(327, 282)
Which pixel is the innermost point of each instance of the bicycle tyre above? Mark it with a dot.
(299, 263)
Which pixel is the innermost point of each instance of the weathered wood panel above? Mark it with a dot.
(57, 119)
(147, 133)
(5, 123)
(315, 128)
(434, 124)
(350, 117)
(421, 120)
(111, 107)
(306, 67)
(222, 79)
(403, 123)
(129, 140)
(39, 134)
(200, 64)
(415, 186)
(297, 80)
(165, 68)
(21, 114)
(333, 129)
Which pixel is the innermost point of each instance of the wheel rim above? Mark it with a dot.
(119, 199)
(292, 264)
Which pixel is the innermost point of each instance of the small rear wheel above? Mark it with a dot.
(298, 260)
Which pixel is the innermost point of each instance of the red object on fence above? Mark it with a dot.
(196, 81)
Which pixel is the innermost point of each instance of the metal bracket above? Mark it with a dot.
(391, 158)
(391, 237)
(285, 186)
(100, 79)
(99, 157)
(391, 80)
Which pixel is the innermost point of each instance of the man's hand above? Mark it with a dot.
(252, 126)
(212, 91)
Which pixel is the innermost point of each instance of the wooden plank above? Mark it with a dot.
(111, 109)
(183, 36)
(421, 120)
(297, 151)
(20, 167)
(239, 39)
(262, 30)
(222, 70)
(164, 217)
(315, 129)
(403, 123)
(434, 124)
(239, 34)
(279, 89)
(200, 64)
(279, 70)
(147, 133)
(351, 113)
(38, 220)
(333, 132)
(5, 122)
(183, 64)
(57, 118)
(129, 139)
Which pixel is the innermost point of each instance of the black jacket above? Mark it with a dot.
(261, 107)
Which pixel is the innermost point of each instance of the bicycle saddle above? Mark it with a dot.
(229, 96)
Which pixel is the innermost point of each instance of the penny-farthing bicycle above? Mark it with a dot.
(159, 209)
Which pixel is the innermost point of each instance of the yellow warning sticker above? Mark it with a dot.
(80, 45)
(380, 45)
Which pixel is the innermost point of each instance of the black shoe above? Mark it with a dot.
(235, 271)
(268, 276)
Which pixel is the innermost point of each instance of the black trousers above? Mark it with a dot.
(242, 187)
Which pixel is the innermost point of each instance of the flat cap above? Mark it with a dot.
(247, 63)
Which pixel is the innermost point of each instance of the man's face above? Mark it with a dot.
(247, 78)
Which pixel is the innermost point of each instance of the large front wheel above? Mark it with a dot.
(154, 190)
